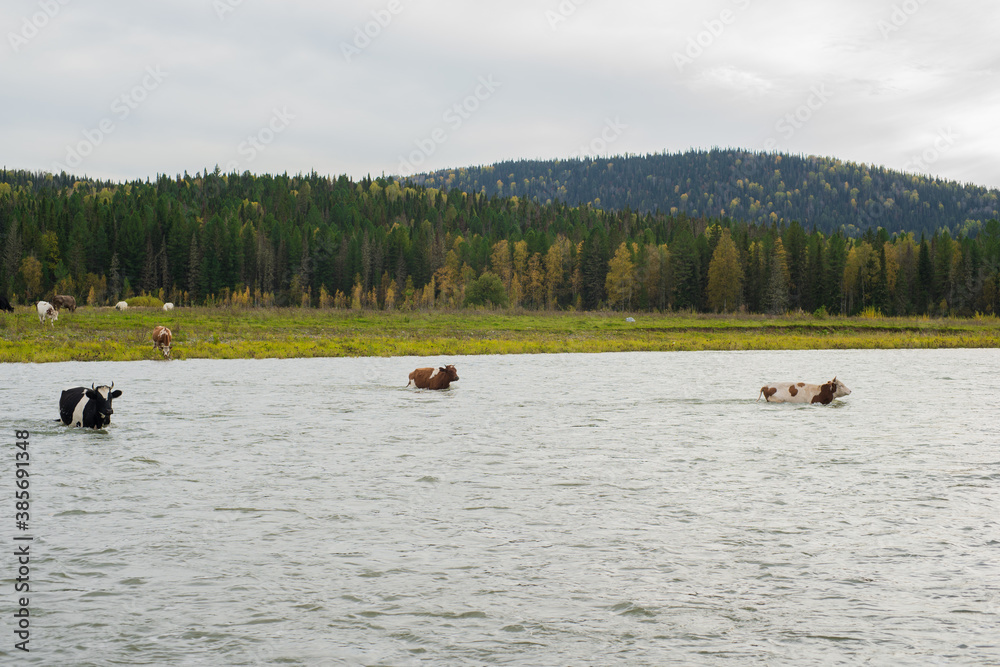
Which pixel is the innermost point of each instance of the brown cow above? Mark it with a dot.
(161, 340)
(63, 301)
(433, 378)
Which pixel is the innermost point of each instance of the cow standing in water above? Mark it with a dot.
(433, 378)
(88, 408)
(800, 392)
(161, 340)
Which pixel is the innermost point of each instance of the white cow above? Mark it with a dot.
(46, 309)
(800, 392)
(121, 305)
(168, 306)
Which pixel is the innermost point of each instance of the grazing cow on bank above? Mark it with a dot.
(61, 301)
(433, 378)
(800, 392)
(168, 306)
(88, 408)
(121, 305)
(5, 305)
(45, 309)
(161, 340)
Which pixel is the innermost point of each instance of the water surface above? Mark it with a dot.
(635, 508)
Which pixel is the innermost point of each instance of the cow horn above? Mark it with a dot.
(93, 385)
(112, 384)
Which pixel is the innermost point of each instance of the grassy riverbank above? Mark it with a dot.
(103, 334)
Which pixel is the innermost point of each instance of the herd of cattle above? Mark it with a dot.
(162, 337)
(50, 311)
(91, 408)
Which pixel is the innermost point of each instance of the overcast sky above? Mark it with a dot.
(131, 90)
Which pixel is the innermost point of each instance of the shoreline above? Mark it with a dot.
(103, 334)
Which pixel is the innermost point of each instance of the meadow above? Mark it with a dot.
(103, 334)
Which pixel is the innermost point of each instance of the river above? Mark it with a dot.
(634, 509)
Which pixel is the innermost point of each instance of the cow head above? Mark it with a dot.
(102, 397)
(838, 388)
(450, 372)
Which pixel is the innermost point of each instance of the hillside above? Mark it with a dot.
(244, 240)
(819, 192)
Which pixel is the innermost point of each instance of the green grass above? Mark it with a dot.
(103, 334)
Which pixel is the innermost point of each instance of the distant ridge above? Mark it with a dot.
(819, 192)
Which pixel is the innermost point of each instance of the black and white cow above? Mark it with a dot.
(89, 408)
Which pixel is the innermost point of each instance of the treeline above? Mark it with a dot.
(314, 241)
(761, 188)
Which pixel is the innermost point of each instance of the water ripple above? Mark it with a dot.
(609, 509)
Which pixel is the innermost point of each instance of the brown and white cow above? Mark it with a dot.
(433, 378)
(161, 340)
(45, 309)
(800, 392)
(61, 301)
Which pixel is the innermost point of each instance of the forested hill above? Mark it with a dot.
(315, 241)
(822, 193)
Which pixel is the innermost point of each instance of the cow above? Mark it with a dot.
(5, 305)
(45, 309)
(88, 408)
(161, 340)
(121, 305)
(168, 306)
(433, 378)
(63, 301)
(800, 392)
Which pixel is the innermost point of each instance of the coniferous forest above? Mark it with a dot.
(313, 241)
(821, 193)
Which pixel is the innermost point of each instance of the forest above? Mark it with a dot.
(247, 240)
(762, 188)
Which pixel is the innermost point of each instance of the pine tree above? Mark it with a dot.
(777, 285)
(149, 272)
(115, 286)
(925, 278)
(686, 269)
(11, 259)
(836, 261)
(194, 270)
(594, 268)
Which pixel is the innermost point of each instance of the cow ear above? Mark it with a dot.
(443, 369)
(115, 394)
